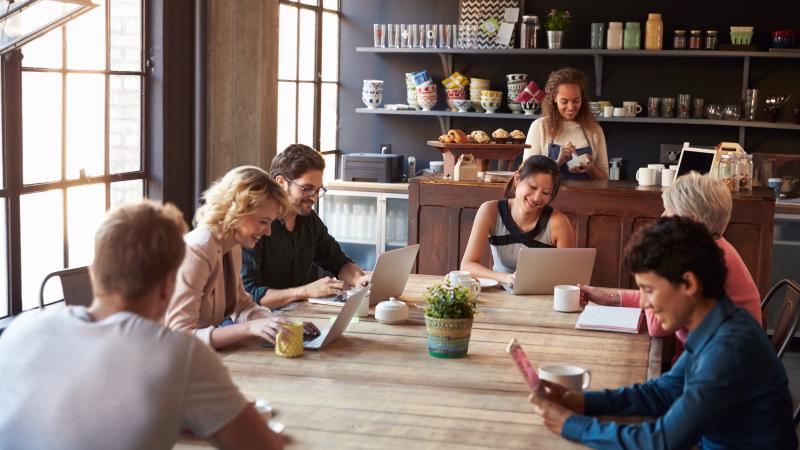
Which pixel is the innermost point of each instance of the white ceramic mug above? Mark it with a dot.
(658, 168)
(464, 278)
(608, 111)
(631, 108)
(667, 177)
(646, 176)
(566, 298)
(571, 377)
(619, 112)
(363, 307)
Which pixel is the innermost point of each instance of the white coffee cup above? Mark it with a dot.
(571, 377)
(658, 168)
(608, 111)
(632, 108)
(646, 176)
(464, 278)
(667, 177)
(363, 307)
(566, 298)
(619, 112)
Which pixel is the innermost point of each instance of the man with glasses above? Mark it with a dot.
(290, 264)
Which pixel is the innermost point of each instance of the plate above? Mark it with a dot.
(488, 282)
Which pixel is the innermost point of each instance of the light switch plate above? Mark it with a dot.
(670, 153)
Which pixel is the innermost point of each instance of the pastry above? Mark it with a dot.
(500, 135)
(445, 139)
(480, 137)
(457, 136)
(517, 137)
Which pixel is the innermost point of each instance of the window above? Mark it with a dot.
(79, 119)
(308, 73)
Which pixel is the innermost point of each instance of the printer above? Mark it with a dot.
(378, 167)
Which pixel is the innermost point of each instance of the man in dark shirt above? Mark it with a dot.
(285, 266)
(727, 390)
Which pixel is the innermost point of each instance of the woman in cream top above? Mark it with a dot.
(238, 210)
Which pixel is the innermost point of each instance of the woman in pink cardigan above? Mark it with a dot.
(709, 202)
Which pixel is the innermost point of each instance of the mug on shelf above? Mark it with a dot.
(619, 112)
(646, 176)
(667, 177)
(632, 109)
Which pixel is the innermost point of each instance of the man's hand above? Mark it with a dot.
(553, 392)
(553, 414)
(363, 281)
(324, 287)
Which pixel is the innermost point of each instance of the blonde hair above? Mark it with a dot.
(702, 199)
(236, 195)
(553, 122)
(136, 247)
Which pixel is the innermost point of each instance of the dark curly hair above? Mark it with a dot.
(534, 165)
(676, 245)
(295, 160)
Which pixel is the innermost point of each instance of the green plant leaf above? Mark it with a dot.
(448, 301)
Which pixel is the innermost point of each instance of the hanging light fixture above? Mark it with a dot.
(24, 20)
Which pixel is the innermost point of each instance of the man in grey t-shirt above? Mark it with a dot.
(110, 376)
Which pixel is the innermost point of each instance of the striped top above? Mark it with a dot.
(507, 239)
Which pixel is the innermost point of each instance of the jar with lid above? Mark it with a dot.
(745, 173)
(712, 41)
(695, 38)
(679, 40)
(614, 36)
(654, 32)
(632, 36)
(529, 30)
(728, 172)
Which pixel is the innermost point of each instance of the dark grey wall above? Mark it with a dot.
(718, 80)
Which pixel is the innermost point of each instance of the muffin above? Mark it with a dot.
(517, 137)
(500, 136)
(480, 137)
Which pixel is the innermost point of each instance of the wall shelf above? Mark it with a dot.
(582, 52)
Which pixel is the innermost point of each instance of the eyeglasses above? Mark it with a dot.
(309, 192)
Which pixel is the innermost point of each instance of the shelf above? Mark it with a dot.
(581, 52)
(788, 243)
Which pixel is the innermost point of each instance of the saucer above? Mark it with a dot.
(488, 282)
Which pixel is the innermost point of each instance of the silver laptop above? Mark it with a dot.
(539, 270)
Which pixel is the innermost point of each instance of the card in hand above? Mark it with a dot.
(524, 364)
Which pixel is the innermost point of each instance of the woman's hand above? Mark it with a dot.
(601, 296)
(268, 327)
(565, 154)
(582, 168)
(509, 278)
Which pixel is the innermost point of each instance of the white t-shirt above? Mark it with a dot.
(570, 132)
(124, 382)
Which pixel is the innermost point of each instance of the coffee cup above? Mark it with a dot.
(571, 377)
(608, 111)
(658, 168)
(632, 108)
(646, 176)
(619, 112)
(289, 342)
(464, 278)
(667, 177)
(604, 103)
(566, 298)
(363, 307)
(472, 284)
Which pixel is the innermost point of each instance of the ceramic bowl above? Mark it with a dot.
(372, 101)
(462, 105)
(517, 77)
(490, 105)
(426, 89)
(426, 102)
(492, 94)
(529, 107)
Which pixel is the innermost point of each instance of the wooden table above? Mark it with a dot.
(376, 386)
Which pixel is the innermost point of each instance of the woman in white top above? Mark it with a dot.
(568, 129)
(238, 210)
(523, 219)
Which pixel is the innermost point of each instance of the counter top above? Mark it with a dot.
(364, 186)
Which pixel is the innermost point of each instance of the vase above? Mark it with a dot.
(554, 38)
(448, 338)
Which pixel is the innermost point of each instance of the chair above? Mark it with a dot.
(788, 316)
(75, 284)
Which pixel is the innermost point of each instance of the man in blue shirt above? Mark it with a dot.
(727, 390)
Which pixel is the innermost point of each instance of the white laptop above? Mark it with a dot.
(339, 325)
(539, 270)
(388, 279)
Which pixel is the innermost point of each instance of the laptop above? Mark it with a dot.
(539, 270)
(388, 279)
(339, 325)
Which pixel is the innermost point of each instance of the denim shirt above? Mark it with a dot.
(727, 390)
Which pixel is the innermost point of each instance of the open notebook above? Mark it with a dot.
(610, 318)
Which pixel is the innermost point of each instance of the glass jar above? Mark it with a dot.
(529, 30)
(728, 172)
(695, 38)
(633, 36)
(745, 173)
(654, 32)
(614, 36)
(712, 42)
(679, 40)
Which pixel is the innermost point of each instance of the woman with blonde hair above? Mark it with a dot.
(707, 201)
(238, 209)
(568, 129)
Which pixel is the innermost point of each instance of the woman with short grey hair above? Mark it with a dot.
(707, 201)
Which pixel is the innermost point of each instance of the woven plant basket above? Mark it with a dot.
(448, 338)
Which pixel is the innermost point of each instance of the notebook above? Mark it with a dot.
(610, 318)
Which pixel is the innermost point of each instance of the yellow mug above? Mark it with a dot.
(290, 344)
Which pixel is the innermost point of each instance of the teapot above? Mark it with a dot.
(391, 311)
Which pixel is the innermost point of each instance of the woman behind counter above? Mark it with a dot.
(568, 128)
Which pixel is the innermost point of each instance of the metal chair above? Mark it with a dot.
(789, 315)
(75, 284)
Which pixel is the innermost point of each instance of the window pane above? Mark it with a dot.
(125, 124)
(41, 110)
(331, 4)
(125, 26)
(308, 41)
(287, 42)
(287, 105)
(3, 261)
(330, 47)
(42, 244)
(44, 51)
(2, 181)
(85, 124)
(310, 2)
(126, 192)
(328, 117)
(86, 206)
(86, 39)
(305, 114)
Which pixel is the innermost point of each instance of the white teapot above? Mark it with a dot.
(391, 311)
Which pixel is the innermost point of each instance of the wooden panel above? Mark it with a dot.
(465, 228)
(604, 234)
(744, 238)
(434, 225)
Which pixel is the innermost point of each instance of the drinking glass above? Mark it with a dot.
(379, 34)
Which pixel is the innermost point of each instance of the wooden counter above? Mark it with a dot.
(604, 214)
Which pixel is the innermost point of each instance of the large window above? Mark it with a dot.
(78, 113)
(308, 73)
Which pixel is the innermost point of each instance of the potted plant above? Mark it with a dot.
(448, 319)
(556, 23)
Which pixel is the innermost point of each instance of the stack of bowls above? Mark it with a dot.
(372, 93)
(516, 84)
(426, 96)
(411, 91)
(455, 94)
(455, 85)
(476, 86)
(491, 100)
(530, 107)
